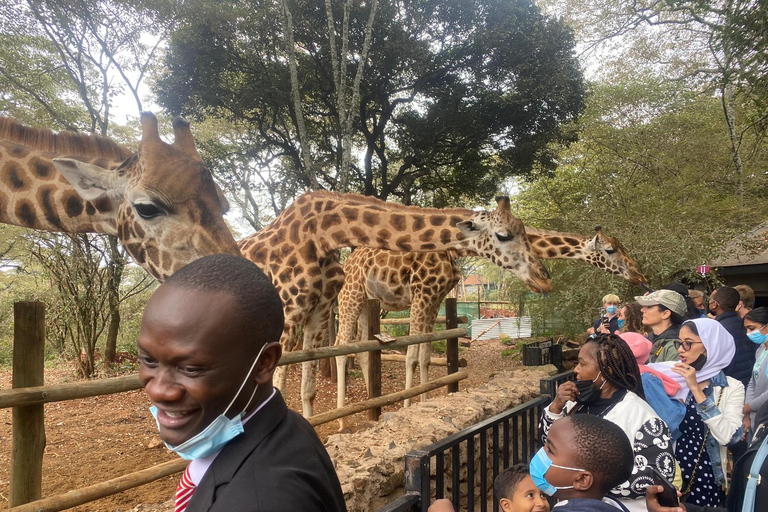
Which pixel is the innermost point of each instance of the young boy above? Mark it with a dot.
(581, 461)
(515, 491)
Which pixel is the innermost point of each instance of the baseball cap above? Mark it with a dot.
(667, 298)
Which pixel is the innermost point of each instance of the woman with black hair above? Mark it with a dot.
(756, 324)
(609, 385)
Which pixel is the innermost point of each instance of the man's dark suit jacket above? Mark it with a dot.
(277, 464)
(744, 358)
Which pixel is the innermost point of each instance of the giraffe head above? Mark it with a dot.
(607, 253)
(167, 208)
(500, 237)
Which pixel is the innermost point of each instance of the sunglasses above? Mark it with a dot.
(685, 344)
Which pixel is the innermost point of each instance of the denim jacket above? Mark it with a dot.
(722, 420)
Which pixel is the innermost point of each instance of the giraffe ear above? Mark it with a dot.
(223, 202)
(469, 228)
(90, 181)
(594, 243)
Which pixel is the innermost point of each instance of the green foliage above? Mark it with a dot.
(654, 169)
(455, 96)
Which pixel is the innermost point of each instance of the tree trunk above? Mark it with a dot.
(116, 266)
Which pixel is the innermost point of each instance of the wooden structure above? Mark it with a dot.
(29, 394)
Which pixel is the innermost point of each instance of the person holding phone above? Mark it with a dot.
(737, 499)
(713, 403)
(609, 316)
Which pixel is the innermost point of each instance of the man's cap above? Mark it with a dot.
(667, 298)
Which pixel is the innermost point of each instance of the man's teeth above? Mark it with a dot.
(175, 414)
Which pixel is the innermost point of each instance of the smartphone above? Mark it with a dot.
(668, 498)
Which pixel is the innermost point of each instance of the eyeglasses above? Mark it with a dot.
(713, 300)
(685, 344)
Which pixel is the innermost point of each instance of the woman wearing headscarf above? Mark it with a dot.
(713, 408)
(609, 385)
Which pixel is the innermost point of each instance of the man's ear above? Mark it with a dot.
(267, 363)
(584, 481)
(505, 505)
(666, 311)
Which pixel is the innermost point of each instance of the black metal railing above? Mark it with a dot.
(449, 468)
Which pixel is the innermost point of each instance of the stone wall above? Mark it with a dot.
(370, 463)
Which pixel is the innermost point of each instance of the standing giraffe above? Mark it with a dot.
(420, 281)
(297, 251)
(161, 202)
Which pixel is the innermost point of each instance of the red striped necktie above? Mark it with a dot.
(185, 491)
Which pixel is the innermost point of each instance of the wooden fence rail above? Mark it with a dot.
(28, 396)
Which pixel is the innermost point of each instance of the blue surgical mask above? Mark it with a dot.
(540, 464)
(220, 431)
(703, 313)
(611, 310)
(621, 322)
(756, 337)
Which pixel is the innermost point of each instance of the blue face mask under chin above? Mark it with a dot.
(219, 432)
(540, 464)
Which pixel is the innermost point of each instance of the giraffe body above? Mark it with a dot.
(161, 202)
(420, 281)
(297, 251)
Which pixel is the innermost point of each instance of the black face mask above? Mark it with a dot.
(588, 394)
(699, 363)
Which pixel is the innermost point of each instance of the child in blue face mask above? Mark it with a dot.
(583, 458)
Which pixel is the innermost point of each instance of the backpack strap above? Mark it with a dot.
(753, 480)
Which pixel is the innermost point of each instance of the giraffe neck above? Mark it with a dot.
(34, 194)
(333, 221)
(553, 245)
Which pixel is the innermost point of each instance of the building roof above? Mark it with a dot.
(474, 280)
(748, 249)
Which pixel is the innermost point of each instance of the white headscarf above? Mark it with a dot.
(720, 350)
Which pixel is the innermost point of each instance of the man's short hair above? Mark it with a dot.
(505, 484)
(603, 449)
(747, 295)
(261, 310)
(696, 294)
(728, 298)
(611, 298)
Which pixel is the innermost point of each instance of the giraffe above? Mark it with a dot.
(161, 202)
(297, 251)
(420, 281)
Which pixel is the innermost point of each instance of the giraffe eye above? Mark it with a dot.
(610, 251)
(147, 211)
(504, 237)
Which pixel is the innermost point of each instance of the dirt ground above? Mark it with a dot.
(94, 439)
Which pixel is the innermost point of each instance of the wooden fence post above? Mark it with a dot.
(452, 344)
(370, 326)
(28, 430)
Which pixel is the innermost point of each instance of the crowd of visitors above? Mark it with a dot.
(686, 380)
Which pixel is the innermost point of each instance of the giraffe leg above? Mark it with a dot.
(351, 302)
(411, 358)
(287, 341)
(425, 349)
(313, 337)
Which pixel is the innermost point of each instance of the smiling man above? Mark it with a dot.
(208, 348)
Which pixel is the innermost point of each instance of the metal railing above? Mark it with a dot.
(464, 465)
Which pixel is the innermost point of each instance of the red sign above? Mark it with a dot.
(703, 270)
